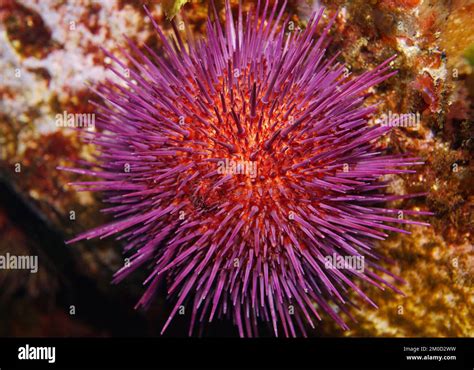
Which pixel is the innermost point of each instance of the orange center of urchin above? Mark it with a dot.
(234, 157)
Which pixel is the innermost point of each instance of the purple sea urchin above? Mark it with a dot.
(237, 165)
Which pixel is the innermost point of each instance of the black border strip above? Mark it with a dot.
(315, 353)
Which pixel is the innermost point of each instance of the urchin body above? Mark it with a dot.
(236, 164)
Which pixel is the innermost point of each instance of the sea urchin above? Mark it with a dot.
(237, 164)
